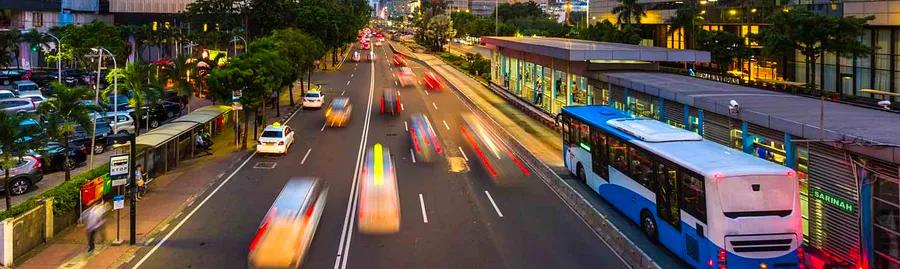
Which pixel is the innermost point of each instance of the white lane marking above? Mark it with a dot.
(342, 93)
(405, 125)
(396, 84)
(492, 202)
(401, 107)
(178, 215)
(398, 93)
(352, 74)
(305, 155)
(426, 92)
(412, 154)
(434, 105)
(424, 215)
(445, 125)
(323, 127)
(350, 217)
(150, 241)
(463, 154)
(214, 191)
(348, 82)
(164, 227)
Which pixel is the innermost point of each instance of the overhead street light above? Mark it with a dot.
(99, 51)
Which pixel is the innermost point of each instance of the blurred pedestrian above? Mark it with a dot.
(93, 220)
(274, 98)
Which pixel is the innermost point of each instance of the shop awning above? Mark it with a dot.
(204, 114)
(163, 134)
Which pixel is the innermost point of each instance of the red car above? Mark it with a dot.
(399, 60)
(430, 79)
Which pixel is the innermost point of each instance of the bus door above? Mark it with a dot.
(669, 211)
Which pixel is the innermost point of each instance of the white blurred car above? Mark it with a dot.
(406, 77)
(275, 139)
(313, 99)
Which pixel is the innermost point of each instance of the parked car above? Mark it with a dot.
(160, 113)
(23, 176)
(25, 87)
(4, 94)
(172, 96)
(7, 76)
(119, 123)
(17, 105)
(82, 136)
(53, 156)
(37, 98)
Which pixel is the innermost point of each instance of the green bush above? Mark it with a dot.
(65, 196)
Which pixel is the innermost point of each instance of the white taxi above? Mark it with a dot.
(275, 139)
(313, 98)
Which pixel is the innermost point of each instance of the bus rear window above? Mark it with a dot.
(756, 196)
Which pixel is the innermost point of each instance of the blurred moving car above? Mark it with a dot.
(283, 238)
(495, 156)
(364, 45)
(313, 98)
(379, 200)
(17, 105)
(23, 175)
(370, 56)
(338, 112)
(53, 156)
(355, 57)
(378, 42)
(405, 76)
(425, 142)
(399, 60)
(431, 81)
(276, 138)
(390, 102)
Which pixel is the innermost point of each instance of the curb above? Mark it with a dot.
(623, 247)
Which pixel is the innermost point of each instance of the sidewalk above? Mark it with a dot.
(168, 194)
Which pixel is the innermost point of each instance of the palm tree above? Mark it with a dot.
(135, 80)
(180, 74)
(14, 142)
(64, 112)
(687, 19)
(629, 10)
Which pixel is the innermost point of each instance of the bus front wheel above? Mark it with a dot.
(648, 225)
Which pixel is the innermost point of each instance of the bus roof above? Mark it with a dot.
(705, 157)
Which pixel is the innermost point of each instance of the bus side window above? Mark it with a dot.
(667, 206)
(565, 128)
(642, 168)
(693, 199)
(599, 157)
(618, 154)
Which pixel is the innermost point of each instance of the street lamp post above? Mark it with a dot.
(235, 39)
(100, 51)
(58, 57)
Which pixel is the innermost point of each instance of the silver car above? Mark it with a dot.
(18, 105)
(22, 177)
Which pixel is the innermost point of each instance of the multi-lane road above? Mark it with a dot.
(452, 216)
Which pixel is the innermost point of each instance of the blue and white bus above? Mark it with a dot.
(713, 206)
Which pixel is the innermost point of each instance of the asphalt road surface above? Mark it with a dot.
(473, 220)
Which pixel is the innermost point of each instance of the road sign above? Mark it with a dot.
(118, 202)
(118, 166)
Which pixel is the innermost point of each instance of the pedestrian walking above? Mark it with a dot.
(274, 98)
(93, 220)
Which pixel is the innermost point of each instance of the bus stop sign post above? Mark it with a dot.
(121, 138)
(118, 174)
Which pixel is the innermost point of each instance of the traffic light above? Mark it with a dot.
(34, 47)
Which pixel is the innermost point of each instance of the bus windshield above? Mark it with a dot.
(757, 196)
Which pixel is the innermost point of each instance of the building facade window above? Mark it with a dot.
(886, 214)
(37, 19)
